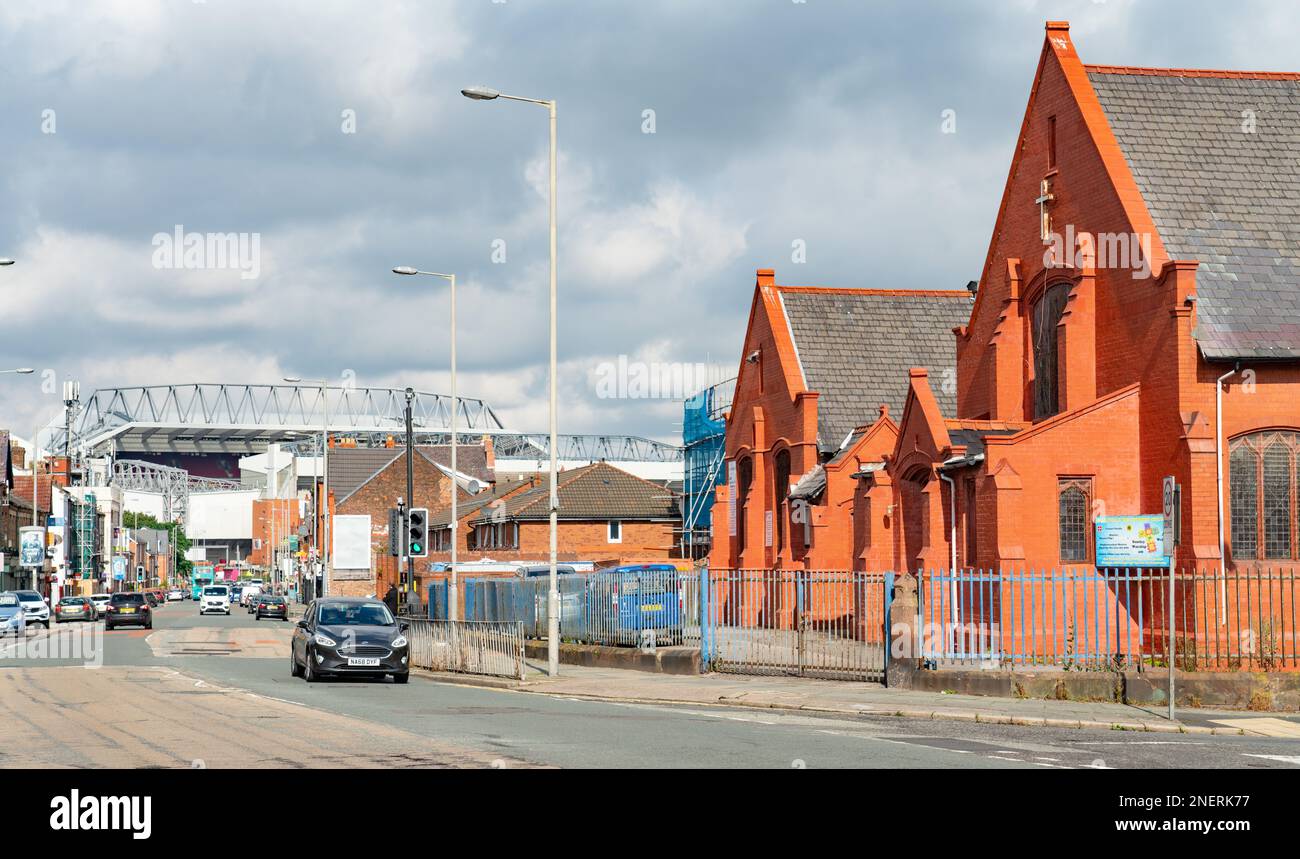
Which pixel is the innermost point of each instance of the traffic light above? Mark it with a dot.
(418, 536)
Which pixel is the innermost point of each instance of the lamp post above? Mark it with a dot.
(481, 93)
(6, 261)
(325, 553)
(453, 601)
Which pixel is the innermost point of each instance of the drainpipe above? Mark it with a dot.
(1218, 462)
(952, 518)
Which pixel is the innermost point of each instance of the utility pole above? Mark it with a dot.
(410, 500)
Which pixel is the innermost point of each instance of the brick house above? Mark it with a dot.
(823, 373)
(606, 516)
(368, 481)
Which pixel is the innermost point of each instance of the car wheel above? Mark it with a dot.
(308, 672)
(401, 678)
(294, 670)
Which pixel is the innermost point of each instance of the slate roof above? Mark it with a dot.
(1220, 195)
(599, 491)
(856, 346)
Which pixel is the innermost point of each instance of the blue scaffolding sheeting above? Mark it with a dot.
(705, 444)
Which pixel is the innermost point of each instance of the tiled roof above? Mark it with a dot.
(598, 491)
(1220, 193)
(349, 468)
(353, 467)
(468, 506)
(856, 346)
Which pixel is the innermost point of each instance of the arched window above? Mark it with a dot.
(1046, 316)
(1261, 491)
(1073, 499)
(744, 478)
(781, 477)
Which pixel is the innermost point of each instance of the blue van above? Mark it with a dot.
(647, 596)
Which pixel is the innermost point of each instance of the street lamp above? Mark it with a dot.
(326, 554)
(22, 371)
(6, 261)
(453, 601)
(482, 93)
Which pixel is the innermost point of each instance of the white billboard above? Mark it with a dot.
(352, 542)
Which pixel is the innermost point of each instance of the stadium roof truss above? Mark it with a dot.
(244, 419)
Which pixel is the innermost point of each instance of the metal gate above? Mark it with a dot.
(809, 623)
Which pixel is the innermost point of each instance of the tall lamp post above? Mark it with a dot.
(481, 93)
(326, 558)
(453, 600)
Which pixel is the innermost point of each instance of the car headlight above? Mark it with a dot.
(400, 641)
(325, 640)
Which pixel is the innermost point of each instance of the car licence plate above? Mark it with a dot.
(128, 611)
(362, 662)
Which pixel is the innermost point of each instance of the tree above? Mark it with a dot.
(180, 543)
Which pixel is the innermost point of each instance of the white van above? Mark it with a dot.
(251, 589)
(215, 598)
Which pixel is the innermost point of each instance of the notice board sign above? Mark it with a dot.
(1131, 541)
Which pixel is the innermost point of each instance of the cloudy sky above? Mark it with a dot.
(334, 130)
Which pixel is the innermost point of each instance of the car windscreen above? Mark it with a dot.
(214, 592)
(71, 601)
(128, 599)
(8, 599)
(356, 614)
(272, 600)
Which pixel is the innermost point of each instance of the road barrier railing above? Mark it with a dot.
(493, 648)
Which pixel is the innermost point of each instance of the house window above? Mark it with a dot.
(1262, 478)
(615, 531)
(745, 476)
(782, 486)
(1051, 142)
(1046, 316)
(972, 523)
(1073, 499)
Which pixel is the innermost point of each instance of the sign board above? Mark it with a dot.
(352, 543)
(767, 528)
(31, 546)
(1173, 498)
(119, 568)
(1130, 541)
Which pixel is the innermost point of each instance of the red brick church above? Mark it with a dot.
(1137, 316)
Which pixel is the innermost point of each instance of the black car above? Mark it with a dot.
(128, 609)
(349, 636)
(270, 606)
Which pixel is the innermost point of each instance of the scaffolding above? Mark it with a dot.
(83, 554)
(704, 443)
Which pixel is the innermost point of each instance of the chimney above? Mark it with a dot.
(489, 456)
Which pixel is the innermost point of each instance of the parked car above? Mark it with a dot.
(128, 608)
(13, 620)
(215, 598)
(175, 595)
(101, 603)
(69, 609)
(36, 609)
(271, 606)
(349, 636)
(151, 598)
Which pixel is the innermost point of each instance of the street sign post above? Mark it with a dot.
(1172, 496)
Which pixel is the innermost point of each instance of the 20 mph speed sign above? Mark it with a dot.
(1171, 516)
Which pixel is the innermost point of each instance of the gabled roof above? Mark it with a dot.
(1223, 188)
(593, 492)
(855, 347)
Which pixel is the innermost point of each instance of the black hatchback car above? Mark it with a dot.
(349, 636)
(266, 605)
(128, 609)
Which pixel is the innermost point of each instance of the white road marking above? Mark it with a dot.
(1286, 759)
